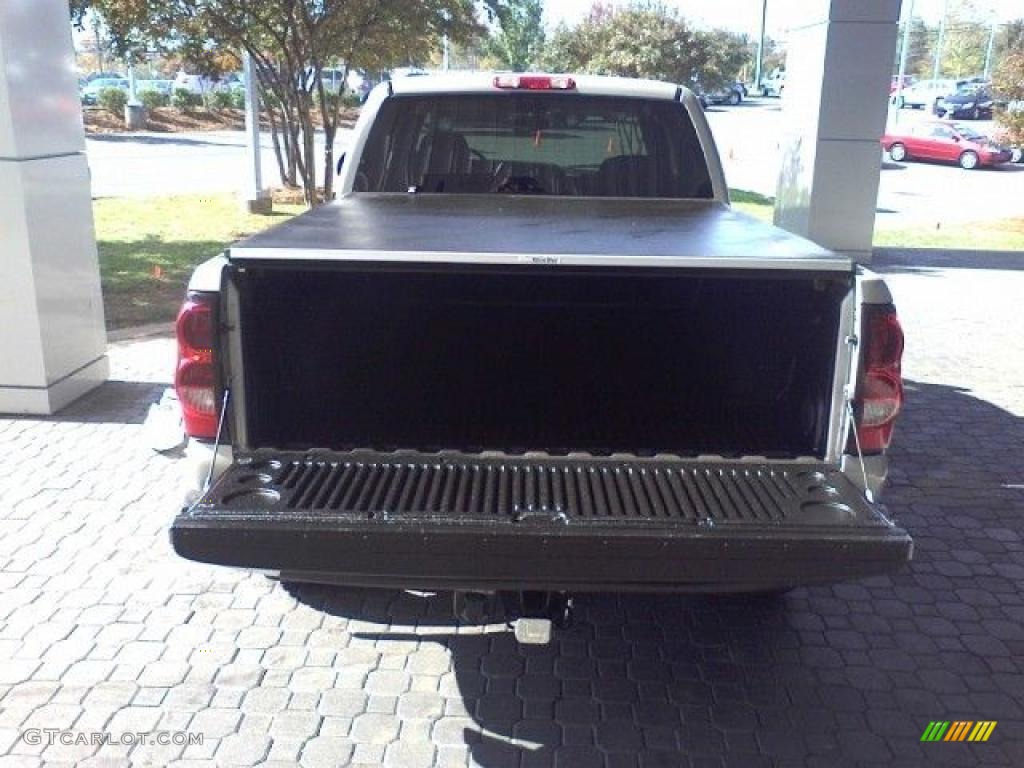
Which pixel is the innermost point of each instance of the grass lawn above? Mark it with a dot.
(148, 248)
(1005, 235)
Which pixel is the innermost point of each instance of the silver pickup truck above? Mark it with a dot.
(531, 347)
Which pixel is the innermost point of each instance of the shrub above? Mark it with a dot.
(151, 99)
(185, 99)
(112, 100)
(238, 98)
(220, 100)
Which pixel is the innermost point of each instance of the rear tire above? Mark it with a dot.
(734, 98)
(1016, 155)
(898, 152)
(969, 160)
(975, 114)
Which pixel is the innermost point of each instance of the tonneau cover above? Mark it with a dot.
(511, 229)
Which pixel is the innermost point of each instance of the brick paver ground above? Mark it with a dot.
(102, 628)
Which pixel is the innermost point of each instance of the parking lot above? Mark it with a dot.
(747, 135)
(910, 193)
(103, 629)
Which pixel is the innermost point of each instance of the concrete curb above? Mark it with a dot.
(137, 332)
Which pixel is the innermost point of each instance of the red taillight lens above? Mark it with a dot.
(879, 386)
(195, 377)
(535, 82)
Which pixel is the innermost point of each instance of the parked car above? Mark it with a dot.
(947, 142)
(91, 91)
(399, 72)
(774, 85)
(972, 102)
(731, 93)
(513, 357)
(197, 84)
(925, 93)
(166, 87)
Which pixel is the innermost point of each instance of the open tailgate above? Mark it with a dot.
(477, 521)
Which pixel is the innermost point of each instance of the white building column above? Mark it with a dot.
(838, 70)
(52, 336)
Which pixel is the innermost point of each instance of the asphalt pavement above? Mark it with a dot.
(147, 164)
(748, 138)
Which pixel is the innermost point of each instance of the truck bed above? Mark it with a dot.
(511, 229)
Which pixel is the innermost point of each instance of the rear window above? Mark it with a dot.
(540, 144)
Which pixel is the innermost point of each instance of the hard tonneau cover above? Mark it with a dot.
(534, 229)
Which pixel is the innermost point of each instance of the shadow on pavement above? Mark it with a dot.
(113, 402)
(150, 139)
(842, 674)
(888, 260)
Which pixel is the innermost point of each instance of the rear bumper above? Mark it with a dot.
(525, 524)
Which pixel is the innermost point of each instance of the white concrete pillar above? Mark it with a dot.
(52, 336)
(838, 70)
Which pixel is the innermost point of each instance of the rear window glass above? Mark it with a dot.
(541, 144)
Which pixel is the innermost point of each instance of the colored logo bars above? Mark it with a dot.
(958, 730)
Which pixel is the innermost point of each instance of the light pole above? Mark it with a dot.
(760, 48)
(904, 51)
(988, 50)
(942, 37)
(253, 198)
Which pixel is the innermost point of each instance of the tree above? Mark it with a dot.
(646, 40)
(725, 56)
(965, 40)
(291, 42)
(1008, 83)
(519, 39)
(1009, 38)
(920, 49)
(963, 50)
(773, 57)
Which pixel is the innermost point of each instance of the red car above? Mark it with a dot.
(952, 142)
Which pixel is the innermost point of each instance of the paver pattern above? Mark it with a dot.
(102, 628)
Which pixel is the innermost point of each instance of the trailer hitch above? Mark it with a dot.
(532, 614)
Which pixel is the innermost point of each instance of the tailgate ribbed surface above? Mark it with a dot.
(558, 490)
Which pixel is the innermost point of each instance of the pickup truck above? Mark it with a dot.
(532, 348)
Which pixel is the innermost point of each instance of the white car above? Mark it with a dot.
(774, 85)
(90, 93)
(197, 84)
(925, 93)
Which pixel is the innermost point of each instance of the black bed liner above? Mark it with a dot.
(476, 521)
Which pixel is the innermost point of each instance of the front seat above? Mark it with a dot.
(627, 176)
(447, 155)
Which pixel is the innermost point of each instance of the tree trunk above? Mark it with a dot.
(330, 111)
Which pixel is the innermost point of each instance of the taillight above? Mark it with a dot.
(879, 394)
(535, 82)
(195, 377)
